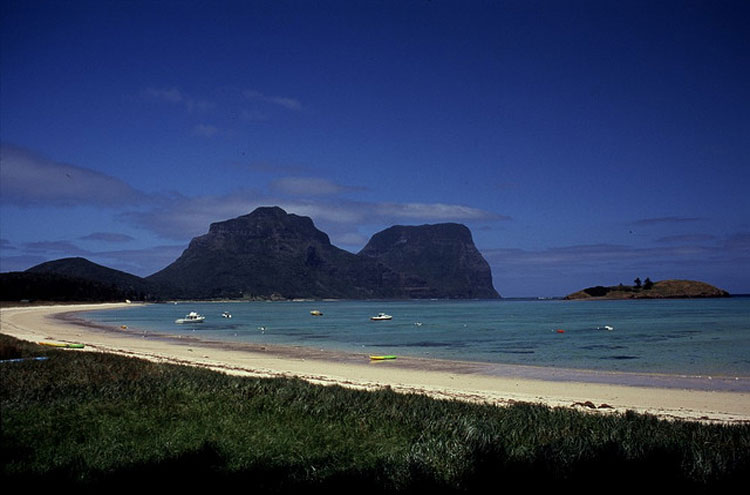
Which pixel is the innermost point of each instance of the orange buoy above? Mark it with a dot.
(559, 330)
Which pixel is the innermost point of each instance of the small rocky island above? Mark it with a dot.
(665, 289)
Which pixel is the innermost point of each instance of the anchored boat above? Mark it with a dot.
(191, 317)
(381, 316)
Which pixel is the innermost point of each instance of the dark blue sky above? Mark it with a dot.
(582, 142)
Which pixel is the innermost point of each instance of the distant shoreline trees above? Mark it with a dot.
(645, 285)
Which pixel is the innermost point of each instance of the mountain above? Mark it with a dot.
(432, 261)
(270, 253)
(24, 286)
(74, 280)
(83, 268)
(665, 289)
(116, 281)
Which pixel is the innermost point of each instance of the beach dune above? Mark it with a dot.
(440, 379)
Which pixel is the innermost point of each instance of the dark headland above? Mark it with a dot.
(271, 254)
(665, 289)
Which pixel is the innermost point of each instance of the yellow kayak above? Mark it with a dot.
(381, 358)
(60, 344)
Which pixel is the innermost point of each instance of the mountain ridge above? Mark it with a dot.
(272, 254)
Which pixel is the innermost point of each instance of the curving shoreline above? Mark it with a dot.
(665, 396)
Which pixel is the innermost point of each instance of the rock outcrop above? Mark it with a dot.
(665, 289)
(431, 261)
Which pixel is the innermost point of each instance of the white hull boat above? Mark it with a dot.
(380, 317)
(191, 317)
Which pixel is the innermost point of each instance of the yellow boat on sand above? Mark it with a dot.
(62, 344)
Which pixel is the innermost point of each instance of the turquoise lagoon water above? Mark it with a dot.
(696, 337)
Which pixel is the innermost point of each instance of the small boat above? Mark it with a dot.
(191, 317)
(226, 314)
(381, 316)
(606, 327)
(62, 344)
(382, 358)
(315, 312)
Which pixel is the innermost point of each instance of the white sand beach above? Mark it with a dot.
(460, 381)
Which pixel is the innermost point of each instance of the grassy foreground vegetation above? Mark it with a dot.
(92, 421)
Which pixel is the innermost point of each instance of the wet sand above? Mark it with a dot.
(712, 399)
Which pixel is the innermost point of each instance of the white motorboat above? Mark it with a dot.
(226, 314)
(191, 317)
(381, 316)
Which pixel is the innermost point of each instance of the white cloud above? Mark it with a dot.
(181, 217)
(309, 186)
(28, 179)
(282, 101)
(435, 212)
(63, 248)
(349, 239)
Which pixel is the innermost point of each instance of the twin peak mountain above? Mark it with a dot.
(270, 253)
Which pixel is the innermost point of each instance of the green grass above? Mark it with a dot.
(93, 421)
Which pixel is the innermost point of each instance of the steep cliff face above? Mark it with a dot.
(270, 252)
(432, 261)
(265, 253)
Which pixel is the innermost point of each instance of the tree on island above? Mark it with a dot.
(637, 282)
(647, 284)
